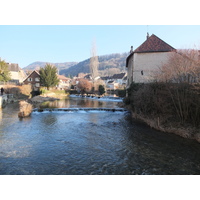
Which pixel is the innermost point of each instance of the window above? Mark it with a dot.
(30, 79)
(37, 79)
(37, 85)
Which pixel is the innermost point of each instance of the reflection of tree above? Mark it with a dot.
(64, 103)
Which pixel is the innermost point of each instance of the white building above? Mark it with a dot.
(146, 59)
(17, 74)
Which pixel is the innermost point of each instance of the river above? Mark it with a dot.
(90, 142)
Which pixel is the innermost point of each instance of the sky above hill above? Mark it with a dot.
(24, 44)
(52, 31)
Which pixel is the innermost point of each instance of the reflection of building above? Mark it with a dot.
(146, 59)
(17, 74)
(33, 79)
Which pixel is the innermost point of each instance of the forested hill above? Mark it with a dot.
(108, 65)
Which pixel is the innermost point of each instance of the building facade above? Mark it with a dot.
(33, 79)
(17, 74)
(144, 61)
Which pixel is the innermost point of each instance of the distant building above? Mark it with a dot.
(17, 74)
(112, 85)
(118, 78)
(146, 59)
(33, 79)
(64, 82)
(116, 81)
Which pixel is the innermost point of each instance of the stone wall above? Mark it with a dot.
(145, 64)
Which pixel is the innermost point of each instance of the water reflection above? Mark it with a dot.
(49, 121)
(78, 102)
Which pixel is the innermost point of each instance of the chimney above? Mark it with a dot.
(147, 35)
(131, 49)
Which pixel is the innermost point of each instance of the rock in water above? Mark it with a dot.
(25, 109)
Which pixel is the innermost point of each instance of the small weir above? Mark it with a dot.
(79, 109)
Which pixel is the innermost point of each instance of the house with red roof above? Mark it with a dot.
(146, 59)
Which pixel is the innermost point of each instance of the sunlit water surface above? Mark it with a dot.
(90, 142)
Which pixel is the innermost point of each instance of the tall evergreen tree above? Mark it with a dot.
(4, 71)
(48, 76)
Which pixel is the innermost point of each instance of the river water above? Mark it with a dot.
(90, 142)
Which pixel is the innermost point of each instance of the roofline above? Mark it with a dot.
(31, 74)
(154, 51)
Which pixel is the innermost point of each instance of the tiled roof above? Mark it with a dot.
(154, 44)
(62, 77)
(105, 77)
(118, 76)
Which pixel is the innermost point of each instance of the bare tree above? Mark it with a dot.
(94, 62)
(84, 85)
(182, 67)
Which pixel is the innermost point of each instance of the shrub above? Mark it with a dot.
(179, 102)
(121, 93)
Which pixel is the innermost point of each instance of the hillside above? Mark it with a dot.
(60, 66)
(108, 65)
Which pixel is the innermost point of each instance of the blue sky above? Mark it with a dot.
(24, 44)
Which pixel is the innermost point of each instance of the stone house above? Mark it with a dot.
(146, 59)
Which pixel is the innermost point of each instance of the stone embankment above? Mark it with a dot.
(5, 99)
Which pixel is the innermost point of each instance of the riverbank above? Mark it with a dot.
(168, 107)
(176, 128)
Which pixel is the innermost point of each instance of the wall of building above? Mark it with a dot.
(34, 80)
(130, 71)
(145, 65)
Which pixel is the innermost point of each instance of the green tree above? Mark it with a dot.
(4, 72)
(101, 89)
(48, 76)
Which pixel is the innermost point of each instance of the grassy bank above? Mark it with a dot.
(173, 108)
(54, 93)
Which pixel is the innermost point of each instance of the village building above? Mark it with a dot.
(64, 82)
(144, 61)
(17, 74)
(33, 79)
(112, 85)
(116, 81)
